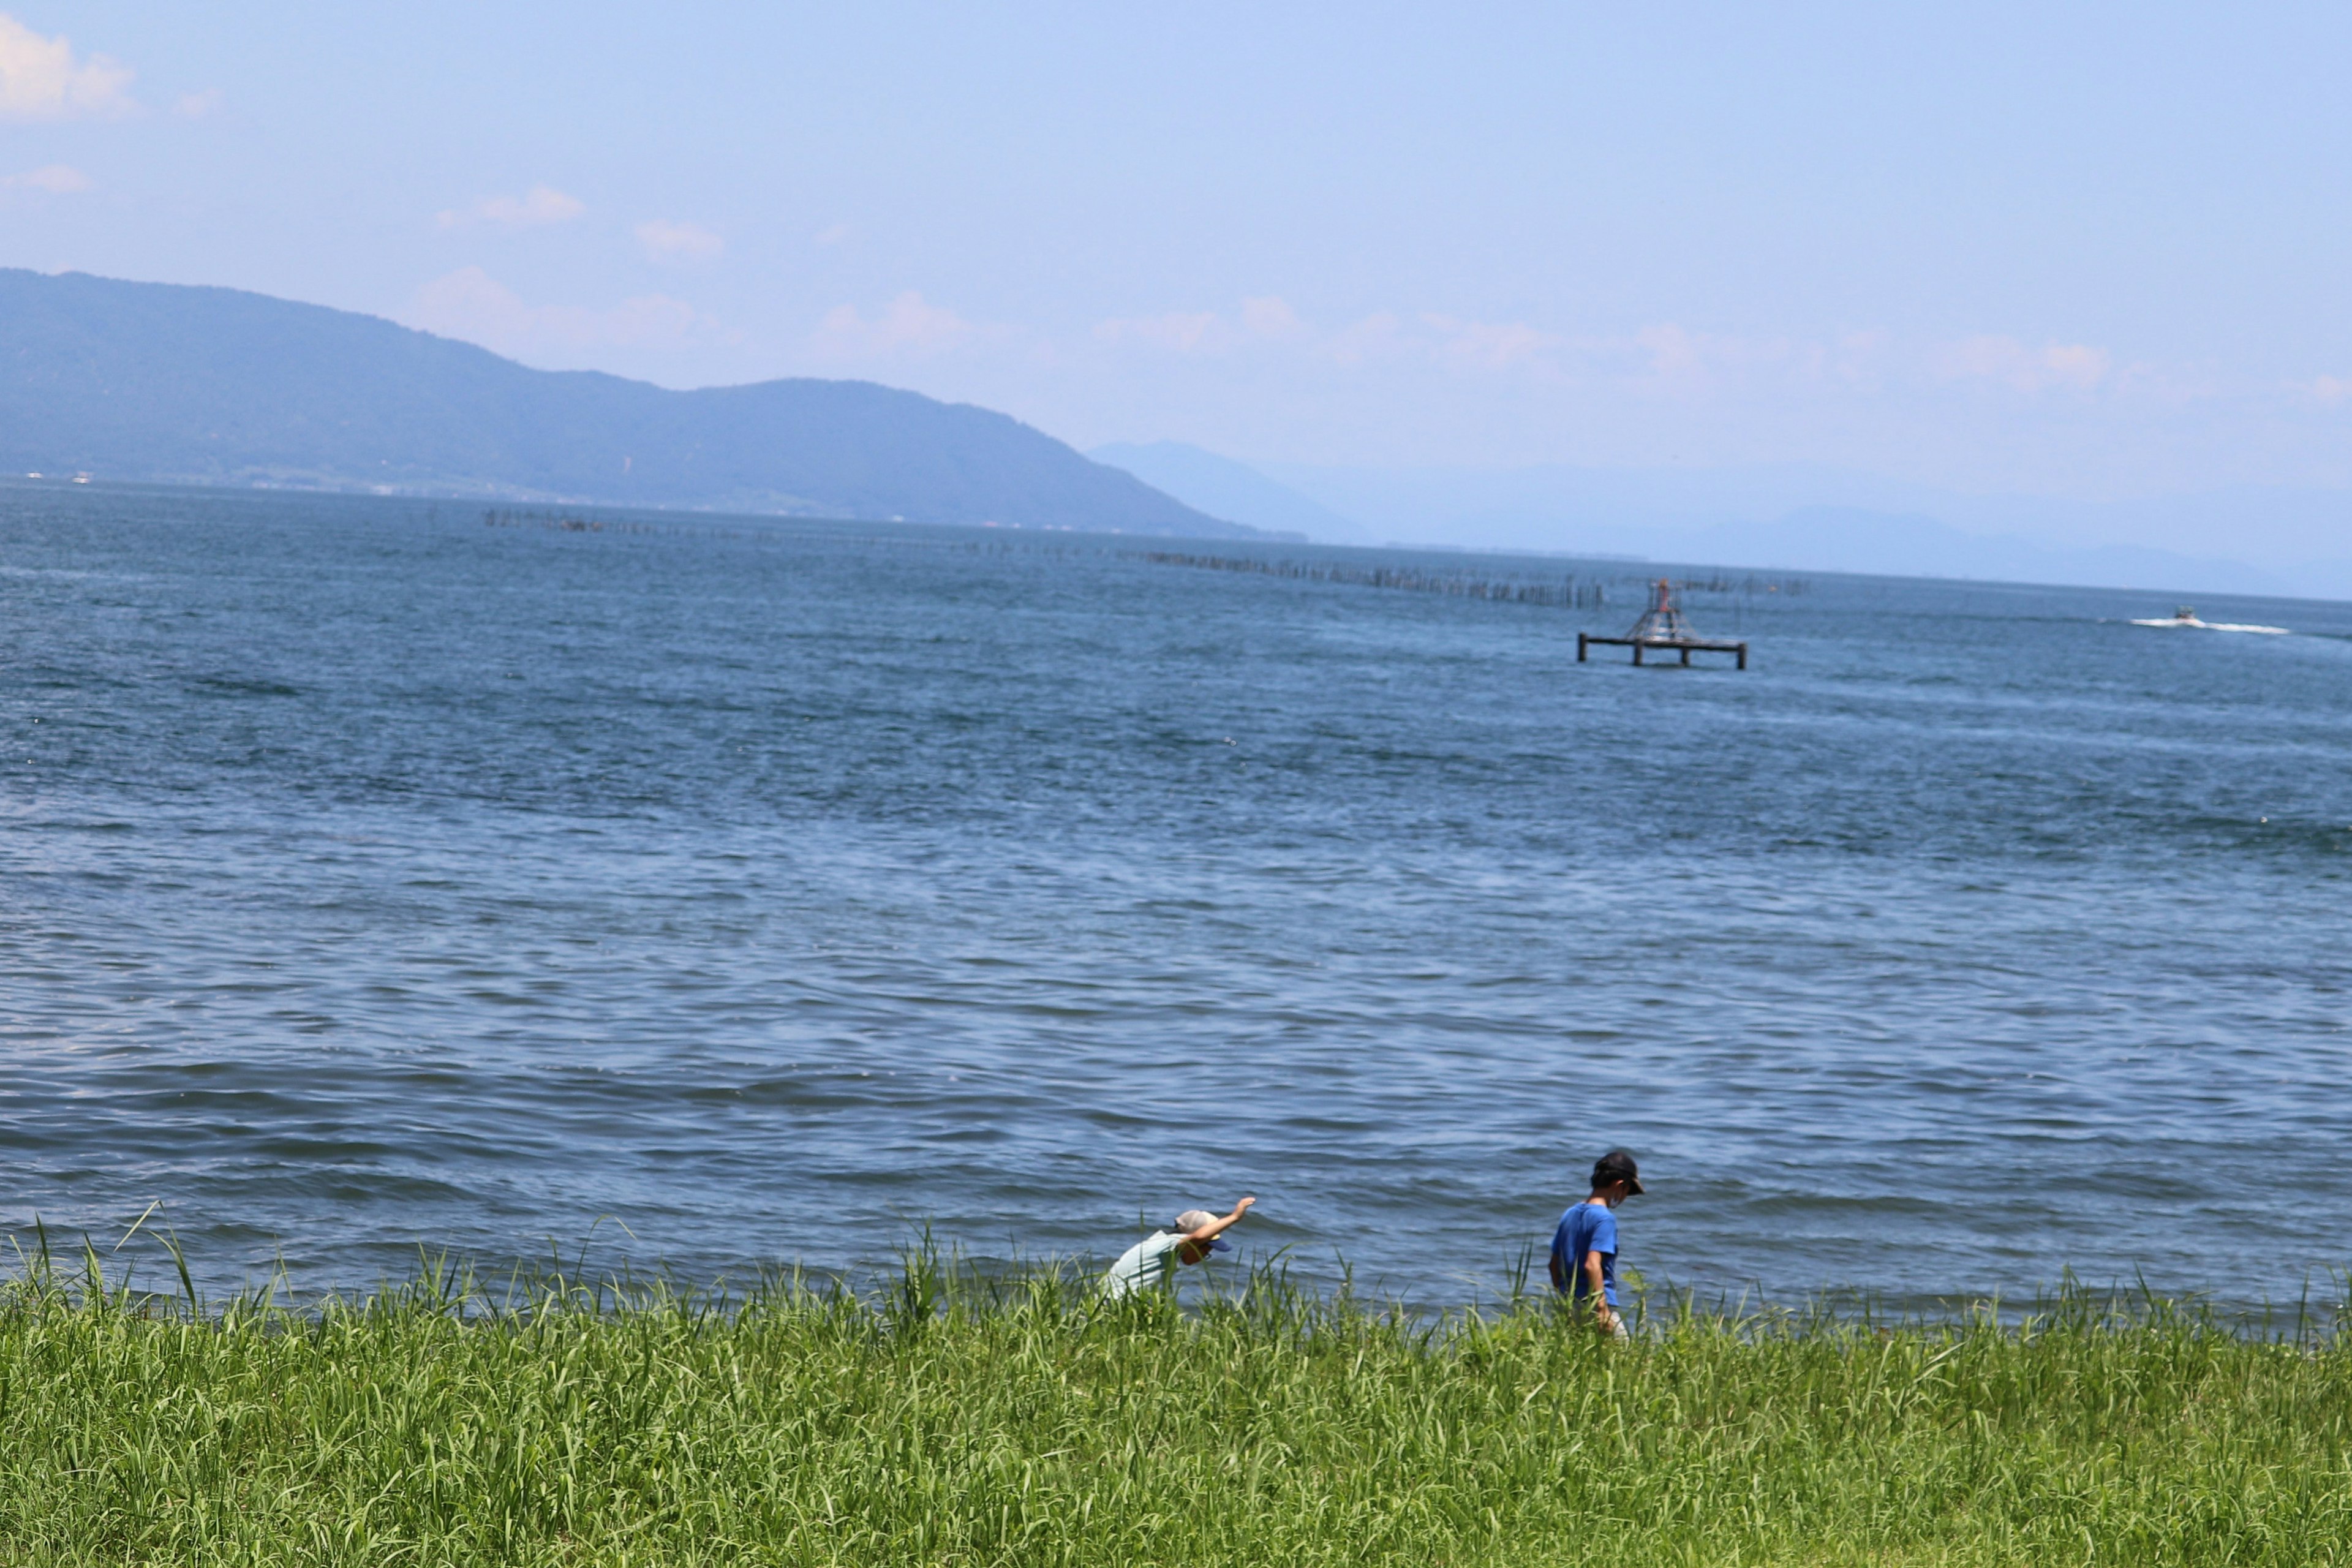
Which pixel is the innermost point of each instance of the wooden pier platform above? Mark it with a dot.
(1685, 645)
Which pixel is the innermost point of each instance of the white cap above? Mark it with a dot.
(1192, 1220)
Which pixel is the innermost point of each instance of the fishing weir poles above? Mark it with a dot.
(1661, 627)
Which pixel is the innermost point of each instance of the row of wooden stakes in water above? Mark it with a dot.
(1568, 592)
(562, 522)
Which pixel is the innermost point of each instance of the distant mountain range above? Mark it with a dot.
(1230, 489)
(158, 382)
(1807, 517)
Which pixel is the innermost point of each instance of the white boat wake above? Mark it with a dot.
(2187, 616)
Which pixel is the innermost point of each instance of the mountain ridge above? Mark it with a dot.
(198, 384)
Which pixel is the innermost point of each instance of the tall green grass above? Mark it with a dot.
(948, 1418)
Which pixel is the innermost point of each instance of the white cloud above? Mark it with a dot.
(1674, 353)
(1265, 317)
(1666, 361)
(1271, 317)
(834, 234)
(1674, 361)
(41, 79)
(198, 105)
(909, 324)
(1178, 331)
(1378, 336)
(680, 242)
(470, 304)
(1993, 358)
(1270, 322)
(2074, 364)
(57, 179)
(1488, 345)
(1855, 359)
(542, 205)
(2332, 388)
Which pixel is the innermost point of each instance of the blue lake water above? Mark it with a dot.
(370, 876)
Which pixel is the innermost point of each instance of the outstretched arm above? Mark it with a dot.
(1210, 1231)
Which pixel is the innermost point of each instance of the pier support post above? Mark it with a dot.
(1637, 653)
(1582, 637)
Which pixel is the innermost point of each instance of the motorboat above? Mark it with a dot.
(2186, 616)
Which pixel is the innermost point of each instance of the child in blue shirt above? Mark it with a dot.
(1584, 1248)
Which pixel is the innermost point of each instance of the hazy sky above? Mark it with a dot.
(2092, 249)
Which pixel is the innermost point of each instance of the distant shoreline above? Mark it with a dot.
(1671, 565)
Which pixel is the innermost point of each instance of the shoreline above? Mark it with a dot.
(2321, 1308)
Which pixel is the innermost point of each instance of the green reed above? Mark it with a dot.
(947, 1416)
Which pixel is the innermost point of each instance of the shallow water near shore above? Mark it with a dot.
(717, 893)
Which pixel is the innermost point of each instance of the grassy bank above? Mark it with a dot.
(1009, 1423)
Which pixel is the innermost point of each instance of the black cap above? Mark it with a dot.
(1617, 1166)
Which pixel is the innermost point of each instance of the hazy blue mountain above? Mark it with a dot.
(150, 381)
(1224, 487)
(1820, 519)
(1843, 538)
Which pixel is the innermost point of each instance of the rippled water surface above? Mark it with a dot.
(371, 877)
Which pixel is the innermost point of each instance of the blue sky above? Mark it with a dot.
(2093, 251)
